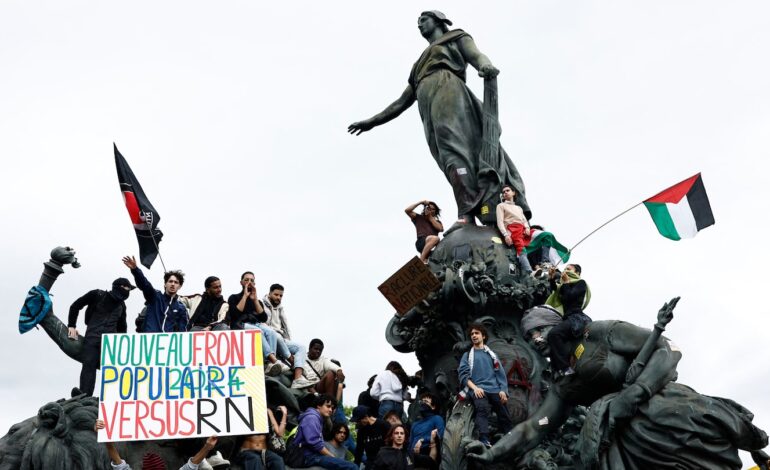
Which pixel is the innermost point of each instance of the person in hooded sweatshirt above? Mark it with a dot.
(310, 436)
(105, 313)
(423, 428)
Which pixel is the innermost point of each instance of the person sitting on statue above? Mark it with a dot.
(152, 461)
(294, 352)
(569, 298)
(638, 416)
(105, 313)
(208, 311)
(254, 454)
(396, 454)
(247, 311)
(336, 444)
(310, 436)
(370, 435)
(165, 312)
(484, 381)
(428, 227)
(321, 372)
(513, 225)
(429, 422)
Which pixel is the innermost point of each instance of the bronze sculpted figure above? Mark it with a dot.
(452, 117)
(639, 418)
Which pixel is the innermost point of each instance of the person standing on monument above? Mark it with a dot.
(483, 377)
(105, 313)
(513, 225)
(428, 227)
(165, 313)
(452, 116)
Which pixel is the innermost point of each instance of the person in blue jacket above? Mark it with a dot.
(429, 420)
(483, 377)
(165, 313)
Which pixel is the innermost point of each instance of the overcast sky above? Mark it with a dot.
(233, 117)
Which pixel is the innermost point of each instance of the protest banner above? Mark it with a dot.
(409, 285)
(182, 385)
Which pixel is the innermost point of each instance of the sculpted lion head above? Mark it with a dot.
(60, 437)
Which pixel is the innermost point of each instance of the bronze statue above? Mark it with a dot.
(452, 118)
(639, 417)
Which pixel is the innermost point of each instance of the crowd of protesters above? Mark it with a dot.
(386, 436)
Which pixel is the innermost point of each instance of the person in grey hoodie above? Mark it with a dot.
(310, 436)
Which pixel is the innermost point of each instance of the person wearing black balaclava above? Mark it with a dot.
(105, 313)
(423, 427)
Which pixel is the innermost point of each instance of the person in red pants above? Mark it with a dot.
(513, 225)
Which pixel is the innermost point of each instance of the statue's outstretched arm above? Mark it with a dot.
(478, 60)
(395, 109)
(653, 372)
(553, 412)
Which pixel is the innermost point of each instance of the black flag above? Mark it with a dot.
(144, 217)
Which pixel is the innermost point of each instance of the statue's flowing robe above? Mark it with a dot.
(452, 120)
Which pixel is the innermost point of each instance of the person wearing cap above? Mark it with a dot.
(370, 435)
(105, 313)
(452, 116)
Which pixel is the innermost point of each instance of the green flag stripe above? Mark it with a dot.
(662, 219)
(547, 239)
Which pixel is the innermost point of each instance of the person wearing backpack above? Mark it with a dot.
(105, 313)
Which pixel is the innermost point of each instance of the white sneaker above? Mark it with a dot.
(204, 465)
(217, 460)
(273, 369)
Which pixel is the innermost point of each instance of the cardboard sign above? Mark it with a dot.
(409, 286)
(180, 385)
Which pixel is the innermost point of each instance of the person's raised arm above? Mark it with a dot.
(395, 109)
(278, 428)
(210, 443)
(551, 414)
(478, 60)
(410, 210)
(141, 282)
(112, 451)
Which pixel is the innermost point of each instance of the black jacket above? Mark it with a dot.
(104, 313)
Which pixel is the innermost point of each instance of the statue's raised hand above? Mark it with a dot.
(359, 127)
(64, 255)
(478, 452)
(666, 313)
(488, 71)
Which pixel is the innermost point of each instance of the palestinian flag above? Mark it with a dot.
(682, 210)
(144, 217)
(542, 239)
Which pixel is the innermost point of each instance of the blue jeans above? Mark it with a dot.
(266, 349)
(391, 405)
(330, 463)
(272, 342)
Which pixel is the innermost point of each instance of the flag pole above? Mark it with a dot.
(157, 248)
(604, 224)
